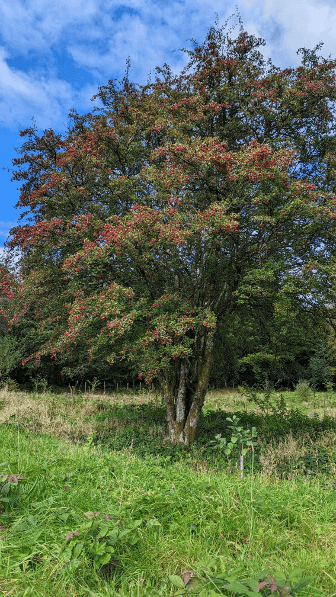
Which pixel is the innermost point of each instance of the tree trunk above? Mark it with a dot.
(184, 405)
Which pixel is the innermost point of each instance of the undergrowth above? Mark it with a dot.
(119, 511)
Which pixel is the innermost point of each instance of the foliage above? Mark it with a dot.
(303, 389)
(231, 584)
(319, 367)
(253, 347)
(241, 439)
(10, 385)
(10, 491)
(98, 539)
(156, 217)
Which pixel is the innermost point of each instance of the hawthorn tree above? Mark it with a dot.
(160, 214)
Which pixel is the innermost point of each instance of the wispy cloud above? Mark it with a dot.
(99, 35)
(37, 25)
(5, 228)
(40, 94)
(291, 24)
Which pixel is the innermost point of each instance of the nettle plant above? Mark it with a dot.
(99, 539)
(204, 582)
(158, 215)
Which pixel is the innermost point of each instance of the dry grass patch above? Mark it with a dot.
(322, 412)
(284, 451)
(63, 415)
(227, 399)
(289, 450)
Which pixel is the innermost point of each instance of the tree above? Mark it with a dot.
(260, 346)
(174, 205)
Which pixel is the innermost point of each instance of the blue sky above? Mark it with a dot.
(55, 54)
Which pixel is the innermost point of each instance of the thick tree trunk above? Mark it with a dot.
(183, 406)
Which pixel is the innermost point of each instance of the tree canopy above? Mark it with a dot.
(156, 217)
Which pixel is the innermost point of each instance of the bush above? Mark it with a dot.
(303, 390)
(10, 385)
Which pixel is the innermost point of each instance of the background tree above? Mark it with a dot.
(256, 346)
(176, 205)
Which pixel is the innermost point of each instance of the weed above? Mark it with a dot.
(207, 585)
(10, 385)
(303, 390)
(40, 383)
(100, 540)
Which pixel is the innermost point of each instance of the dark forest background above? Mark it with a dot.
(253, 349)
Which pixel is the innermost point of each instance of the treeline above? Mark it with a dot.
(255, 347)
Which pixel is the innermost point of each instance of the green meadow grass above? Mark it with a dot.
(173, 511)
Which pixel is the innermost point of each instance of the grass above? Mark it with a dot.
(85, 454)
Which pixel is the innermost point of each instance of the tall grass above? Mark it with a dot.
(174, 511)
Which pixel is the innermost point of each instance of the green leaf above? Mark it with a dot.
(280, 575)
(113, 537)
(295, 573)
(77, 549)
(136, 523)
(262, 575)
(238, 588)
(193, 584)
(252, 583)
(20, 527)
(153, 522)
(109, 549)
(302, 583)
(5, 489)
(63, 517)
(103, 531)
(191, 527)
(124, 533)
(104, 559)
(176, 581)
(86, 525)
(98, 548)
(25, 550)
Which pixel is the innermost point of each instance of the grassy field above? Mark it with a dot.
(107, 506)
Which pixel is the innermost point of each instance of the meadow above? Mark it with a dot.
(95, 501)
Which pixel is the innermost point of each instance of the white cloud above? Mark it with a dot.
(41, 95)
(303, 23)
(149, 28)
(38, 24)
(5, 228)
(97, 39)
(98, 35)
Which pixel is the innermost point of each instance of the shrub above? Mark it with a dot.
(303, 390)
(10, 385)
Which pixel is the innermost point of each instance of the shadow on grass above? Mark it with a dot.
(288, 441)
